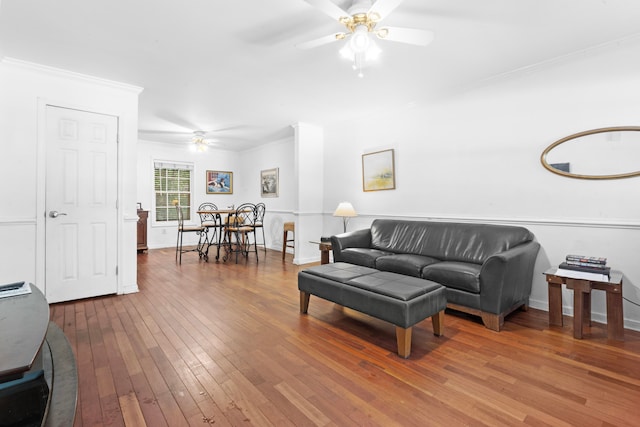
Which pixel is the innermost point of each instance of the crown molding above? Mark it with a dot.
(59, 72)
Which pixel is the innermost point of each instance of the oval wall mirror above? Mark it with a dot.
(605, 153)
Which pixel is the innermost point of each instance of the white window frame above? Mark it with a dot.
(169, 164)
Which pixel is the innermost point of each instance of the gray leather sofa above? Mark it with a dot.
(487, 269)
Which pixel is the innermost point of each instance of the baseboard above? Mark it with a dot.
(130, 289)
(567, 310)
(308, 260)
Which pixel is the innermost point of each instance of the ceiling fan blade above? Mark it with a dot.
(321, 41)
(406, 35)
(328, 7)
(162, 132)
(382, 8)
(230, 128)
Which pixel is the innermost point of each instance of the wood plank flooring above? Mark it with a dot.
(224, 344)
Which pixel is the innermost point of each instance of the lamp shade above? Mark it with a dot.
(345, 209)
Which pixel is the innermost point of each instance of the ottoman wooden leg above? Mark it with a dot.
(438, 323)
(304, 302)
(403, 337)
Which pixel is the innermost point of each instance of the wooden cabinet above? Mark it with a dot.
(142, 230)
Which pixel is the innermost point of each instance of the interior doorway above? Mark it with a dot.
(81, 187)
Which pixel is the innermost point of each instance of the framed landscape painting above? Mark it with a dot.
(269, 183)
(378, 171)
(219, 182)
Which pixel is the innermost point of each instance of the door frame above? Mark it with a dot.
(41, 188)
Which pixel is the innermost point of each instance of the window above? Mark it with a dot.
(172, 184)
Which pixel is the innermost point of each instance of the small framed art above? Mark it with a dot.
(269, 183)
(378, 171)
(219, 182)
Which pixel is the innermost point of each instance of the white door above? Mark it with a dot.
(81, 196)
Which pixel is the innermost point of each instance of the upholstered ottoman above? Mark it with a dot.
(395, 298)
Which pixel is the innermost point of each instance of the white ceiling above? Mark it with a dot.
(232, 65)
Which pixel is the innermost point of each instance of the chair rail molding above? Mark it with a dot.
(12, 221)
(550, 222)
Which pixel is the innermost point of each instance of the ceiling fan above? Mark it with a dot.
(200, 139)
(361, 20)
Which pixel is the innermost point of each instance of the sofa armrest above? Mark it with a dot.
(506, 277)
(352, 239)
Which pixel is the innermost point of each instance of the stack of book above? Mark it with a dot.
(585, 267)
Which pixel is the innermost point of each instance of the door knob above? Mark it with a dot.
(55, 214)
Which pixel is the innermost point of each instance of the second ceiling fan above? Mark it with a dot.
(361, 21)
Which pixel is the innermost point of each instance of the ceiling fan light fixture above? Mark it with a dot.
(361, 21)
(360, 39)
(374, 17)
(373, 52)
(359, 57)
(346, 52)
(382, 33)
(199, 142)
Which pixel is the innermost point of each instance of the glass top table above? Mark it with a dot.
(325, 248)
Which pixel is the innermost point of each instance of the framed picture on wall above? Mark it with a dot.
(378, 171)
(269, 184)
(219, 182)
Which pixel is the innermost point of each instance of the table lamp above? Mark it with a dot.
(346, 211)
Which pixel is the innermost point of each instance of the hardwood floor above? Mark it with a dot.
(225, 344)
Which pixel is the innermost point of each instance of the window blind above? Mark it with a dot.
(172, 185)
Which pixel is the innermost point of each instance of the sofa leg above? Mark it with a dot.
(304, 302)
(493, 321)
(438, 323)
(403, 337)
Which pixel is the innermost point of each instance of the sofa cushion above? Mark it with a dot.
(458, 275)
(362, 256)
(446, 241)
(408, 264)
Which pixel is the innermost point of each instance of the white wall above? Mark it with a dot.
(278, 154)
(24, 90)
(162, 235)
(246, 167)
(309, 166)
(475, 157)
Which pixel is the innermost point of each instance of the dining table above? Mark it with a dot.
(221, 217)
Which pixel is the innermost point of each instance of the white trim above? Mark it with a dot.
(58, 72)
(41, 161)
(586, 223)
(283, 211)
(166, 164)
(279, 141)
(596, 316)
(8, 222)
(152, 211)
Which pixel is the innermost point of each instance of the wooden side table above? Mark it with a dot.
(325, 248)
(582, 302)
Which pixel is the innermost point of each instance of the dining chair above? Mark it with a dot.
(240, 226)
(259, 212)
(207, 217)
(211, 222)
(182, 228)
